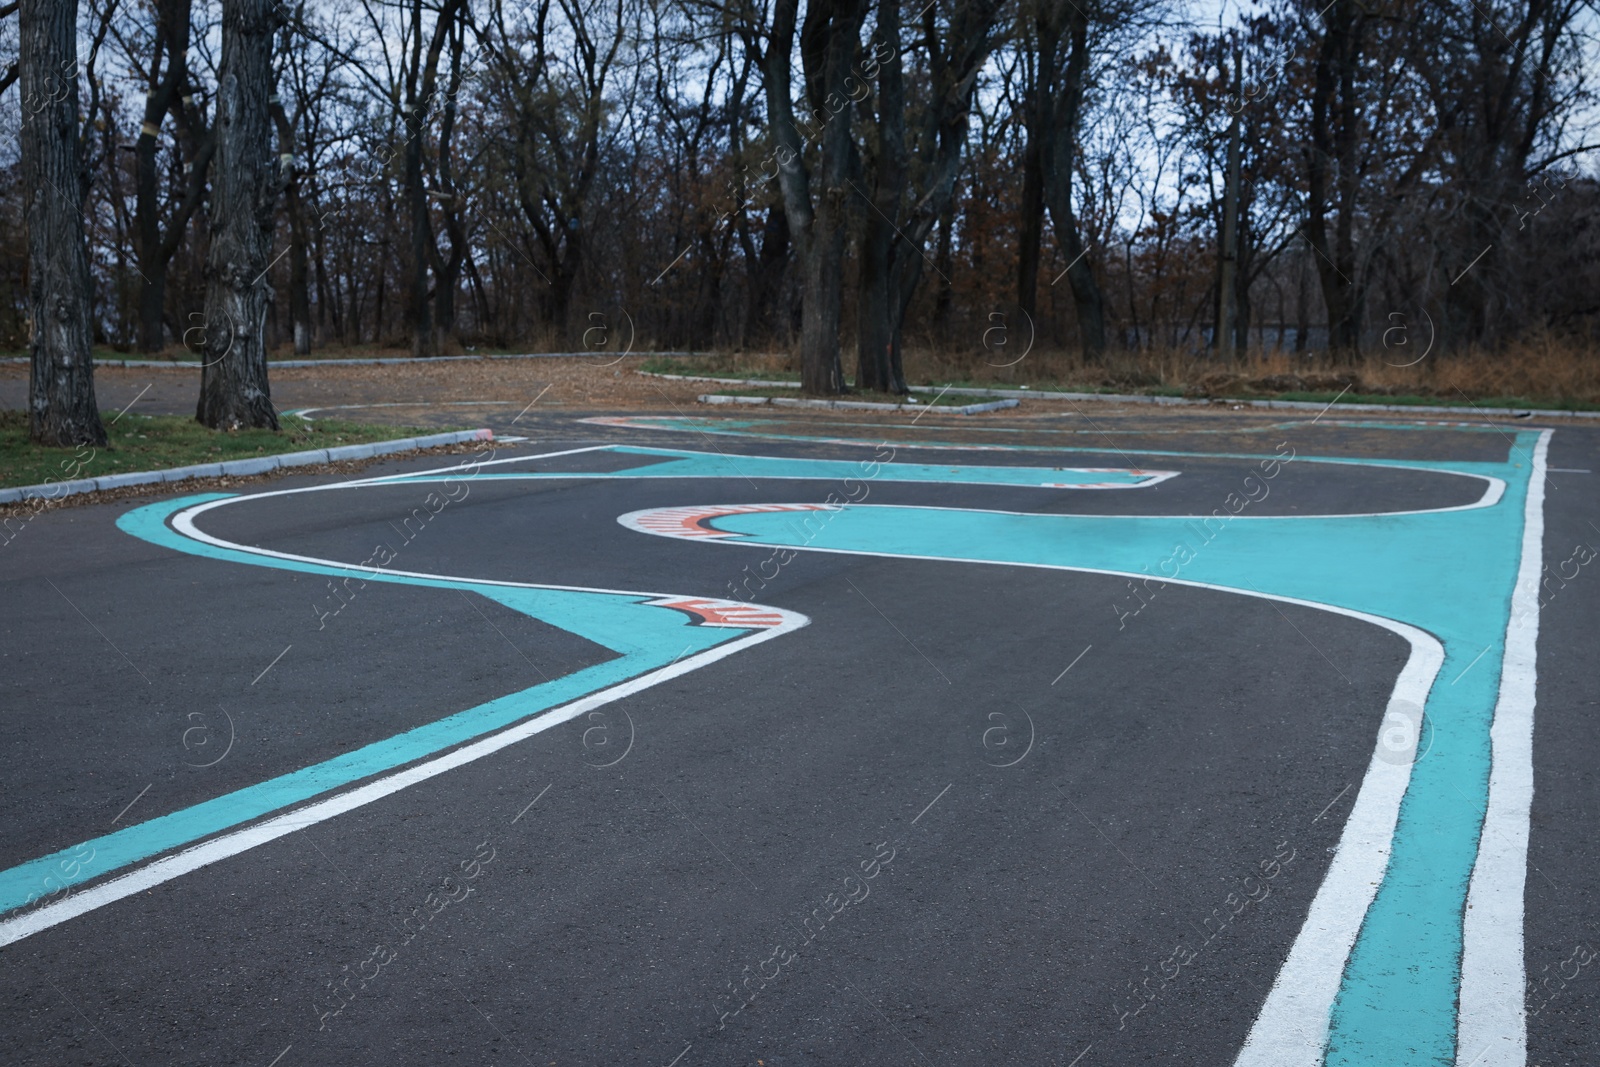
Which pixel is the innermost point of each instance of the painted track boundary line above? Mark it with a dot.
(1492, 1028)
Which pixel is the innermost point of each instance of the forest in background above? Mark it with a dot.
(841, 179)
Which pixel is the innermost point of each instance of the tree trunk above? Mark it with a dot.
(765, 277)
(419, 316)
(299, 239)
(1331, 176)
(1030, 223)
(944, 261)
(1228, 261)
(151, 251)
(877, 308)
(820, 370)
(299, 274)
(233, 383)
(835, 25)
(1059, 164)
(61, 404)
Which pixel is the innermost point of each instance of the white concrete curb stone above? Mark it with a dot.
(253, 465)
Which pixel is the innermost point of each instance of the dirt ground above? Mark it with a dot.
(391, 393)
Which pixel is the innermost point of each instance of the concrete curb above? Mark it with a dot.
(253, 465)
(856, 405)
(1180, 401)
(271, 363)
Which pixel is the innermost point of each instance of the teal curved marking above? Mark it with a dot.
(1449, 573)
(644, 638)
(762, 429)
(1400, 982)
(684, 464)
(749, 428)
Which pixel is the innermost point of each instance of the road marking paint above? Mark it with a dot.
(621, 621)
(1493, 1010)
(1377, 961)
(232, 843)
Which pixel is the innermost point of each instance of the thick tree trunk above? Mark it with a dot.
(61, 402)
(820, 371)
(153, 250)
(877, 309)
(832, 27)
(233, 383)
(419, 316)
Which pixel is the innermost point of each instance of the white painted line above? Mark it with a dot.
(231, 844)
(1493, 1011)
(1292, 1029)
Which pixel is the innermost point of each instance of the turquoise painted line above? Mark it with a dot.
(1449, 573)
(644, 637)
(692, 424)
(680, 464)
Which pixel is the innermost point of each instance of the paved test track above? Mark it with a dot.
(1073, 780)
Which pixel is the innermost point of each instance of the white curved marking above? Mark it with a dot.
(773, 622)
(1292, 1029)
(1492, 1027)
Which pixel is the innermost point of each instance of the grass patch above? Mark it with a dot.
(155, 442)
(1541, 375)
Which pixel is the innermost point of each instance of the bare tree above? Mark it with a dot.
(168, 90)
(247, 179)
(61, 401)
(919, 165)
(1053, 113)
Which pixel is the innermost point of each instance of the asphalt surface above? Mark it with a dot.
(956, 834)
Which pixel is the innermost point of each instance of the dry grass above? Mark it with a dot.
(1545, 370)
